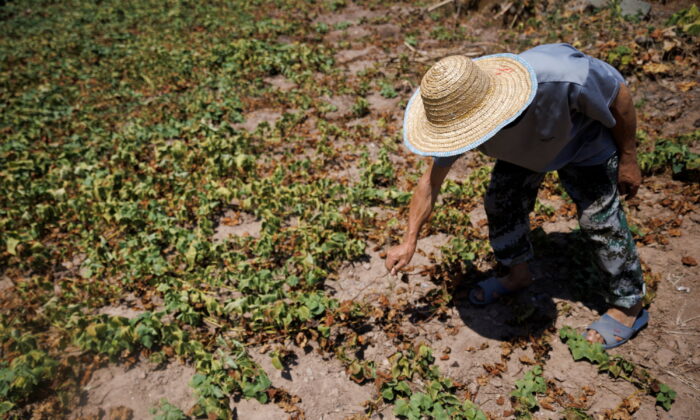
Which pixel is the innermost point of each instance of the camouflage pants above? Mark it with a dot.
(511, 197)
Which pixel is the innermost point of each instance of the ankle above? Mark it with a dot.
(631, 312)
(520, 274)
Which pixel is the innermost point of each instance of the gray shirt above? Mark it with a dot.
(569, 120)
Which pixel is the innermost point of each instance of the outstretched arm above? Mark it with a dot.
(624, 133)
(424, 197)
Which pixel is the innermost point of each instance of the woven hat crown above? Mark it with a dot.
(452, 88)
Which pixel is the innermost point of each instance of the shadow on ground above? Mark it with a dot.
(562, 269)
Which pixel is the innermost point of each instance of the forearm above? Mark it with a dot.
(421, 206)
(424, 196)
(624, 132)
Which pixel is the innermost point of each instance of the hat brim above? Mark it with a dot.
(513, 85)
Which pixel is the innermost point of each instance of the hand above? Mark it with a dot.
(398, 256)
(629, 177)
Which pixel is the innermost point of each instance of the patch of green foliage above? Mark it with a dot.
(617, 366)
(30, 368)
(621, 57)
(526, 390)
(671, 154)
(688, 20)
(387, 90)
(360, 108)
(574, 413)
(435, 400)
(446, 33)
(342, 25)
(167, 411)
(321, 27)
(119, 156)
(226, 370)
(541, 208)
(380, 172)
(335, 5)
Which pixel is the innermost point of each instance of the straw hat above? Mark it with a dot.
(461, 103)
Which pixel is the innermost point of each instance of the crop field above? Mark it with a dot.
(197, 197)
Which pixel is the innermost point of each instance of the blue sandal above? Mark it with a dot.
(489, 286)
(609, 328)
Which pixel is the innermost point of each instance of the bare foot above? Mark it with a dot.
(518, 278)
(624, 315)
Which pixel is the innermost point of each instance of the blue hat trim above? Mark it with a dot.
(479, 142)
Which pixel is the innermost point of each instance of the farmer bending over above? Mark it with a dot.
(551, 108)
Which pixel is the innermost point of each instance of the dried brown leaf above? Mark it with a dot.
(689, 261)
(686, 86)
(656, 68)
(526, 360)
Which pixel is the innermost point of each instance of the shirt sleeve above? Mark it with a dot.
(445, 161)
(599, 91)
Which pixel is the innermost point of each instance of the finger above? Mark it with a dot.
(389, 263)
(399, 265)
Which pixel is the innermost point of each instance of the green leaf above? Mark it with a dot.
(191, 254)
(147, 341)
(439, 412)
(276, 362)
(581, 348)
(402, 408)
(421, 401)
(324, 330)
(304, 313)
(666, 396)
(5, 406)
(616, 366)
(12, 245)
(224, 192)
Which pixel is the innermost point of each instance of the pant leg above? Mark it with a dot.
(604, 225)
(509, 200)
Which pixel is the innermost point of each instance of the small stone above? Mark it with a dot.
(627, 7)
(635, 8)
(367, 266)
